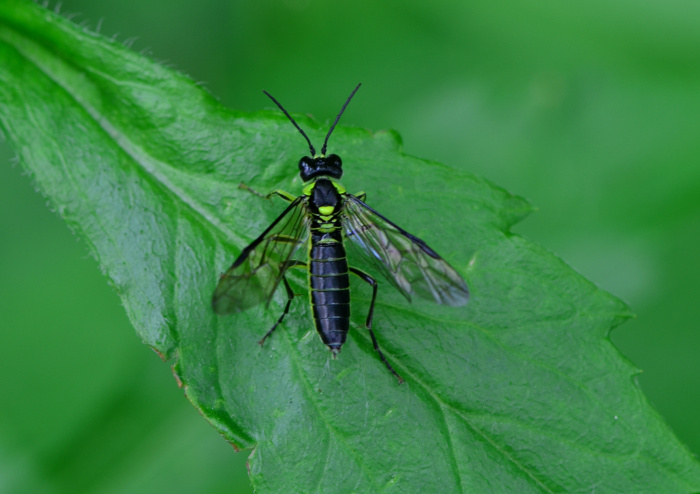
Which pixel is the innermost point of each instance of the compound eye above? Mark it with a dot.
(305, 163)
(335, 160)
(306, 167)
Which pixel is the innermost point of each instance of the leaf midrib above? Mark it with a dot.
(440, 404)
(149, 164)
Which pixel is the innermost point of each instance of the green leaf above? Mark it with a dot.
(519, 391)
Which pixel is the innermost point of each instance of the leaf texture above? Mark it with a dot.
(518, 391)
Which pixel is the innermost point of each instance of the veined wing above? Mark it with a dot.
(254, 276)
(405, 260)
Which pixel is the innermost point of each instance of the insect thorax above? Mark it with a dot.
(324, 203)
(325, 196)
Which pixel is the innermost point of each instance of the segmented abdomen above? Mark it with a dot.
(330, 289)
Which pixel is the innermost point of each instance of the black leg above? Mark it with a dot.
(290, 295)
(373, 283)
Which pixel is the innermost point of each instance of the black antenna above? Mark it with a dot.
(323, 149)
(311, 147)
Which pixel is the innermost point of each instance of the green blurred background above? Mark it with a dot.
(588, 109)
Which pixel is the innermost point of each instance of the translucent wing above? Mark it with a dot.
(406, 261)
(254, 276)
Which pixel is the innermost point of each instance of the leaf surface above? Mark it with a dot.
(519, 391)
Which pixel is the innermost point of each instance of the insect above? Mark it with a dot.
(321, 219)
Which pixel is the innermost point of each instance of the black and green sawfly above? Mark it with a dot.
(321, 219)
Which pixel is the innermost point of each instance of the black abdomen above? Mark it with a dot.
(330, 291)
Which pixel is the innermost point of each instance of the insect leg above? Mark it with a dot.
(280, 193)
(373, 283)
(290, 297)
